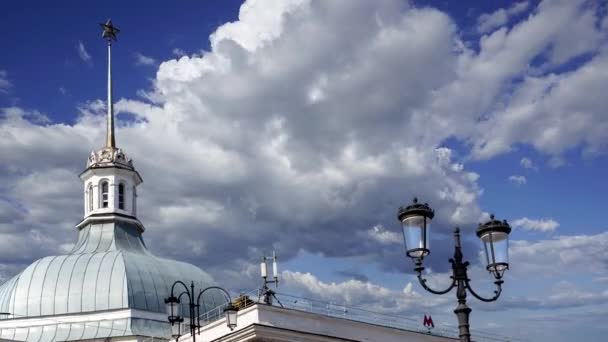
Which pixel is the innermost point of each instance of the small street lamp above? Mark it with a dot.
(416, 223)
(174, 310)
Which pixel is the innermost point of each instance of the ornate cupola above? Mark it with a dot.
(109, 287)
(110, 179)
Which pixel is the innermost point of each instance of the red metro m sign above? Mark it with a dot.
(428, 322)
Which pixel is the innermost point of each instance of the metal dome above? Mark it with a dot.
(108, 269)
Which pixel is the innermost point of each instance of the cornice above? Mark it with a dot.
(110, 217)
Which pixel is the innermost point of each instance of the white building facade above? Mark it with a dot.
(261, 322)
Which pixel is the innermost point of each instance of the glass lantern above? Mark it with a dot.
(416, 224)
(231, 316)
(173, 308)
(494, 235)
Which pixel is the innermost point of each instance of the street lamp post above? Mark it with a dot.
(416, 222)
(194, 304)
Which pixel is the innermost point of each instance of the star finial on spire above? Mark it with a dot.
(109, 31)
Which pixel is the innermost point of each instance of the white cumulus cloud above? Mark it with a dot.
(233, 150)
(527, 163)
(83, 53)
(489, 21)
(542, 225)
(581, 254)
(360, 293)
(384, 236)
(518, 180)
(551, 111)
(178, 52)
(141, 59)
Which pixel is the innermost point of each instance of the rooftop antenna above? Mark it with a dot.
(266, 292)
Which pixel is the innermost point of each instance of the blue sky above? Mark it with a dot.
(155, 32)
(302, 126)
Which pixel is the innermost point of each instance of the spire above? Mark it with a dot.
(109, 33)
(109, 154)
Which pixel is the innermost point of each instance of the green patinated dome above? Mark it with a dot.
(109, 269)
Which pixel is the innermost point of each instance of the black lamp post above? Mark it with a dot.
(416, 221)
(194, 304)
